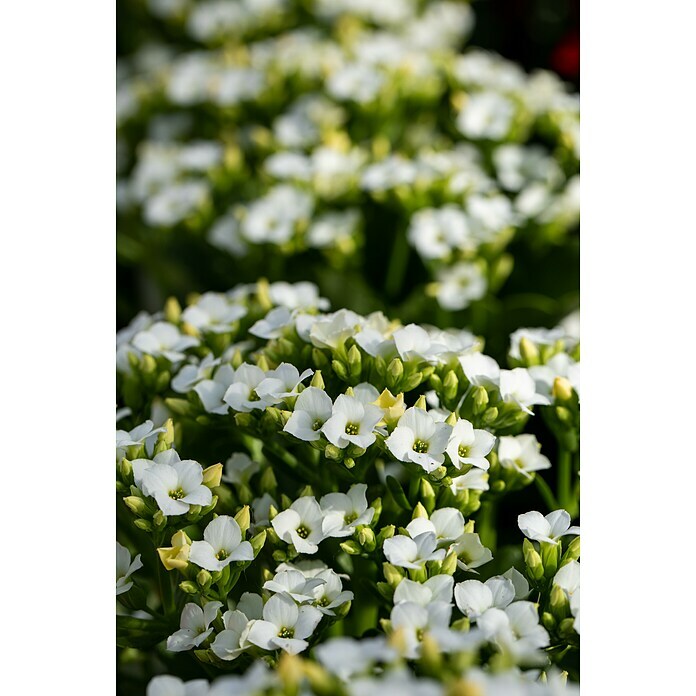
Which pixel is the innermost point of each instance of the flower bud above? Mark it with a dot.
(333, 453)
(450, 385)
(393, 406)
(189, 587)
(354, 362)
(421, 403)
(172, 310)
(136, 505)
(317, 380)
(550, 556)
(490, 416)
(367, 539)
(377, 507)
(258, 542)
(479, 400)
(351, 548)
(340, 370)
(349, 462)
(392, 574)
(243, 519)
(321, 362)
(431, 657)
(268, 482)
(529, 352)
(532, 559)
(419, 511)
(395, 372)
(548, 621)
(204, 579)
(145, 525)
(566, 627)
(562, 389)
(449, 565)
(212, 476)
(558, 602)
(572, 552)
(159, 520)
(427, 494)
(126, 470)
(148, 364)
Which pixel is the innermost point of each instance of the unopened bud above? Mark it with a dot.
(392, 574)
(354, 362)
(562, 389)
(479, 400)
(529, 352)
(449, 565)
(159, 520)
(243, 519)
(340, 370)
(212, 476)
(204, 579)
(367, 539)
(351, 548)
(395, 372)
(421, 403)
(419, 511)
(532, 560)
(145, 525)
(172, 310)
(317, 380)
(136, 505)
(189, 587)
(450, 385)
(332, 452)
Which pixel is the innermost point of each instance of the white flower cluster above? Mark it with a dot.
(303, 165)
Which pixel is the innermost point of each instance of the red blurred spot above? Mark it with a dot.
(565, 58)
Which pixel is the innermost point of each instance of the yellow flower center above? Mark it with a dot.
(352, 428)
(420, 446)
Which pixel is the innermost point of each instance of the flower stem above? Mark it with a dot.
(546, 493)
(486, 524)
(563, 488)
(398, 262)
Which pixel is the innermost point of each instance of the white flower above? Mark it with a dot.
(330, 330)
(447, 524)
(413, 342)
(281, 383)
(347, 509)
(522, 452)
(297, 296)
(346, 657)
(284, 626)
(480, 370)
(413, 620)
(273, 324)
(436, 589)
(167, 685)
(519, 582)
(213, 312)
(516, 627)
(560, 365)
(549, 529)
(459, 285)
(239, 468)
(568, 579)
(539, 337)
(241, 395)
(476, 480)
(212, 391)
(145, 433)
(473, 597)
(471, 553)
(294, 584)
(435, 232)
(303, 525)
(468, 445)
(176, 485)
(313, 408)
(517, 386)
(420, 439)
(486, 115)
(190, 375)
(405, 552)
(261, 510)
(274, 217)
(222, 544)
(195, 626)
(164, 339)
(124, 568)
(175, 202)
(233, 640)
(330, 594)
(352, 422)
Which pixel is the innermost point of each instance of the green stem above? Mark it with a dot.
(486, 524)
(398, 263)
(563, 489)
(546, 493)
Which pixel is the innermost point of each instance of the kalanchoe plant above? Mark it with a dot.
(355, 510)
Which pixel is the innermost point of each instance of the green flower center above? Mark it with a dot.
(286, 632)
(221, 555)
(351, 517)
(420, 446)
(352, 428)
(419, 634)
(177, 494)
(253, 396)
(303, 532)
(323, 602)
(316, 425)
(463, 451)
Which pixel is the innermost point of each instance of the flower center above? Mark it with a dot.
(419, 634)
(323, 602)
(286, 632)
(352, 428)
(221, 555)
(420, 446)
(351, 517)
(316, 425)
(177, 494)
(253, 396)
(463, 451)
(303, 532)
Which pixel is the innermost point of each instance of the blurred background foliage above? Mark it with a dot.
(154, 262)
